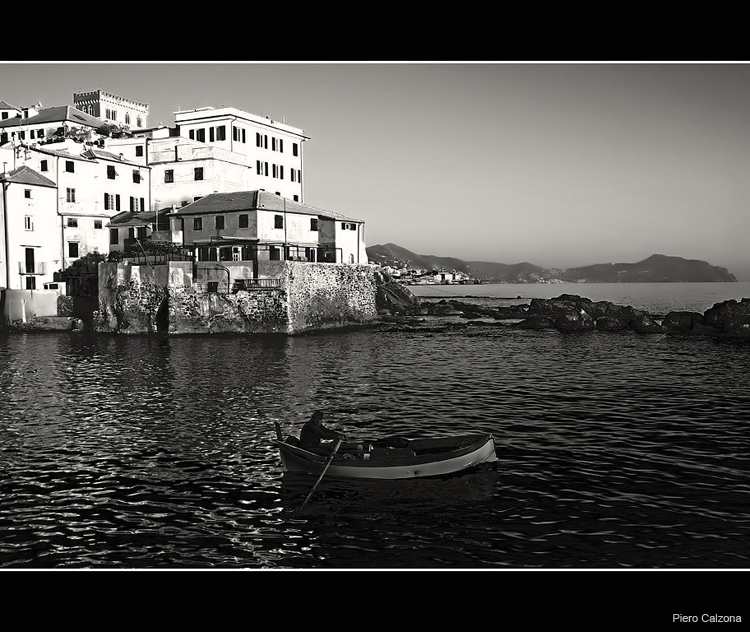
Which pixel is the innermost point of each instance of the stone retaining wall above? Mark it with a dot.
(165, 298)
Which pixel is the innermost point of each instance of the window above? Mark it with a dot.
(136, 176)
(97, 224)
(211, 134)
(199, 173)
(70, 195)
(198, 223)
(111, 202)
(72, 248)
(219, 221)
(27, 194)
(278, 221)
(274, 253)
(200, 135)
(111, 172)
(221, 132)
(314, 223)
(295, 149)
(139, 150)
(72, 222)
(69, 166)
(43, 165)
(30, 282)
(114, 236)
(169, 175)
(213, 286)
(28, 223)
(243, 221)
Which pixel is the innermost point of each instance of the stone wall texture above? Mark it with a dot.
(165, 298)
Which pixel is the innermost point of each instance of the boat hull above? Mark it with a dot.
(393, 464)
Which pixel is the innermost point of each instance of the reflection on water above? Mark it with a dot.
(616, 450)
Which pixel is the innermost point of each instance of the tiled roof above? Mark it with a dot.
(26, 175)
(57, 114)
(126, 218)
(250, 201)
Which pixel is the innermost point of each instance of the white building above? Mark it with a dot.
(64, 197)
(30, 245)
(272, 150)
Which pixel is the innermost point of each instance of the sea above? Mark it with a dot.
(616, 451)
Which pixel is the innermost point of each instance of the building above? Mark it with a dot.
(112, 108)
(231, 184)
(30, 246)
(272, 150)
(254, 227)
(65, 194)
(46, 125)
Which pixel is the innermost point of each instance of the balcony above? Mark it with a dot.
(32, 268)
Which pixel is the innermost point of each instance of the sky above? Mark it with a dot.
(557, 164)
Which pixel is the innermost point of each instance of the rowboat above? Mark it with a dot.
(390, 458)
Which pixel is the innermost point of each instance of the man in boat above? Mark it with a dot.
(315, 437)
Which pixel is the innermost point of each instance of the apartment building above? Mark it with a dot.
(272, 150)
(69, 195)
(30, 246)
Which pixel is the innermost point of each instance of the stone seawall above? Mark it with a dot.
(324, 295)
(165, 298)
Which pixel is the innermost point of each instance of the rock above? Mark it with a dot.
(644, 324)
(575, 321)
(612, 323)
(537, 322)
(729, 317)
(393, 297)
(682, 322)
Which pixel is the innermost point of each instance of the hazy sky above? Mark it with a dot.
(556, 164)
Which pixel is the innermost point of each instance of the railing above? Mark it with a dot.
(255, 284)
(34, 268)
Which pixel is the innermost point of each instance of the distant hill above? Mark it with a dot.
(655, 269)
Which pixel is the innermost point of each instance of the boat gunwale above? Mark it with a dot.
(319, 461)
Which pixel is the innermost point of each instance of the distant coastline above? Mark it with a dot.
(658, 268)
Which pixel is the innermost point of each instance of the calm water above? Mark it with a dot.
(616, 450)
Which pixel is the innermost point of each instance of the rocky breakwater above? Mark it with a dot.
(729, 318)
(565, 313)
(573, 313)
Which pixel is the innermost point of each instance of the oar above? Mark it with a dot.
(325, 469)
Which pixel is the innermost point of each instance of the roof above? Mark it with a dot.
(57, 114)
(253, 201)
(142, 218)
(94, 153)
(4, 105)
(26, 175)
